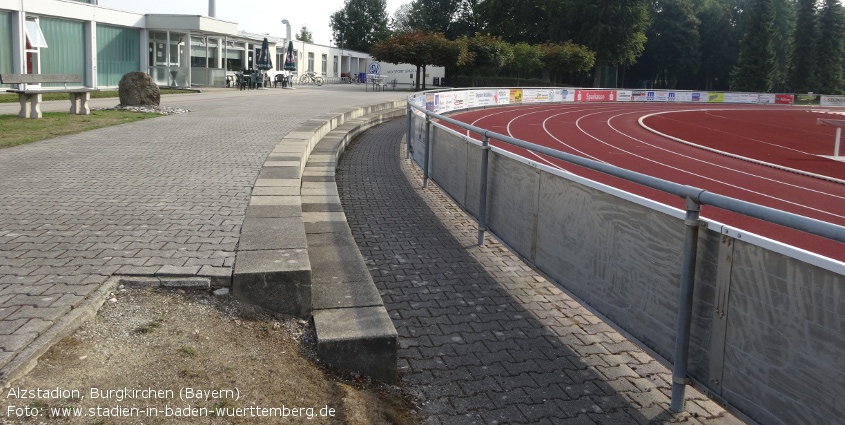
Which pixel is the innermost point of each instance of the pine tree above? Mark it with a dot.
(755, 67)
(802, 63)
(830, 49)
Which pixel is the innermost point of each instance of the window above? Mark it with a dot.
(34, 35)
(335, 66)
(310, 61)
(325, 66)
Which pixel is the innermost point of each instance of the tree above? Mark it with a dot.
(305, 35)
(565, 60)
(404, 19)
(361, 23)
(830, 49)
(416, 48)
(483, 52)
(674, 43)
(718, 33)
(526, 20)
(802, 64)
(526, 58)
(613, 29)
(755, 66)
(784, 27)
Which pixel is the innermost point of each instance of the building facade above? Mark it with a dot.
(183, 51)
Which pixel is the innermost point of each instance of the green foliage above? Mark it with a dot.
(416, 48)
(361, 23)
(525, 20)
(674, 45)
(305, 35)
(755, 66)
(526, 58)
(802, 64)
(565, 60)
(830, 49)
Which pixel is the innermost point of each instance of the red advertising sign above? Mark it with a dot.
(784, 99)
(595, 96)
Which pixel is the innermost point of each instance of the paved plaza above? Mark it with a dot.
(483, 337)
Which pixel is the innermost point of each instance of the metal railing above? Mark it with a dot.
(694, 197)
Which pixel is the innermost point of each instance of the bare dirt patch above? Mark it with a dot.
(150, 353)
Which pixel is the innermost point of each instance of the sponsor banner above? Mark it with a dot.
(624, 95)
(502, 97)
(595, 95)
(567, 95)
(444, 102)
(429, 102)
(661, 96)
(540, 96)
(638, 95)
(741, 98)
(832, 100)
(680, 96)
(460, 101)
(698, 96)
(515, 96)
(766, 98)
(715, 97)
(784, 99)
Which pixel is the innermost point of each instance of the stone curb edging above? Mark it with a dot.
(296, 253)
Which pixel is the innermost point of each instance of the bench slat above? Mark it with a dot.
(39, 78)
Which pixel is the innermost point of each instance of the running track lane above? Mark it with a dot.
(611, 133)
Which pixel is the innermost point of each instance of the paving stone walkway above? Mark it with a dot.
(485, 339)
(158, 197)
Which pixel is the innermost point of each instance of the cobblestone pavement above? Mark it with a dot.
(164, 196)
(483, 337)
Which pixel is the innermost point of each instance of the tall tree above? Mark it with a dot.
(802, 63)
(756, 63)
(613, 29)
(527, 20)
(717, 30)
(830, 48)
(305, 35)
(526, 58)
(404, 19)
(784, 28)
(674, 43)
(361, 23)
(483, 53)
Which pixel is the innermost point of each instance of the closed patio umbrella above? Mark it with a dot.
(290, 60)
(263, 61)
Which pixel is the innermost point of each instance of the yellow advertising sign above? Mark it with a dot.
(716, 97)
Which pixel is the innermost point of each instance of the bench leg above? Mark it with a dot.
(79, 103)
(36, 105)
(25, 104)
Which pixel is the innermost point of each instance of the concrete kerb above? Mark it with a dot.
(318, 272)
(354, 331)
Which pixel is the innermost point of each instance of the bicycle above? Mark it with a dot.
(311, 77)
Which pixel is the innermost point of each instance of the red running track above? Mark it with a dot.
(611, 133)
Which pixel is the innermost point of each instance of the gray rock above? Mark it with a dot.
(137, 89)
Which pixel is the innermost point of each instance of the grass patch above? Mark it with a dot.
(151, 326)
(188, 351)
(19, 131)
(105, 94)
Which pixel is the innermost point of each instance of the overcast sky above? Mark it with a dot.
(257, 16)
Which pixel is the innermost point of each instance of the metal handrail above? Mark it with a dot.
(704, 197)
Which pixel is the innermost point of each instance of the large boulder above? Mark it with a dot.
(138, 89)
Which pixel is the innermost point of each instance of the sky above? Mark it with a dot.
(255, 16)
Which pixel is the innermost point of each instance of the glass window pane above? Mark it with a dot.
(34, 34)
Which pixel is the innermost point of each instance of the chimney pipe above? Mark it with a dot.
(212, 9)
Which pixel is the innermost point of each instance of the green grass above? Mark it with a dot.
(19, 131)
(13, 98)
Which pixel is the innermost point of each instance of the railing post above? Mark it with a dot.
(410, 124)
(427, 150)
(682, 333)
(482, 203)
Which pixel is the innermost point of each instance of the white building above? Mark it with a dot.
(101, 44)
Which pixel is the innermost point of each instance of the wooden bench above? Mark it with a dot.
(30, 97)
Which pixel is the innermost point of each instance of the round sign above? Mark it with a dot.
(375, 68)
